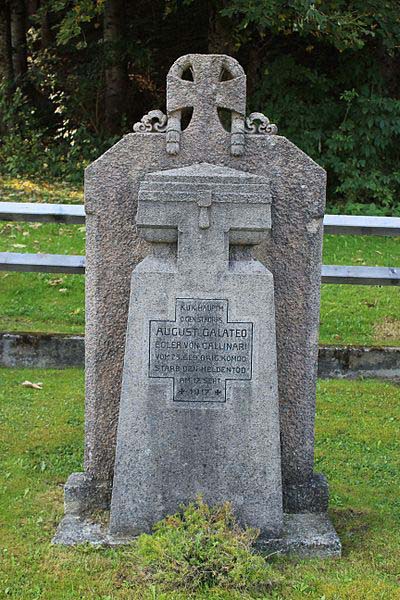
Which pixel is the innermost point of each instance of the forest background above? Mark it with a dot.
(76, 74)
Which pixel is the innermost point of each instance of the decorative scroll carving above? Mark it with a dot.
(206, 93)
(256, 122)
(155, 120)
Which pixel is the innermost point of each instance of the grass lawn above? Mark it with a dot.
(366, 315)
(41, 431)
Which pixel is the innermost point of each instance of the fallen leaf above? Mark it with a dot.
(56, 281)
(7, 228)
(35, 386)
(63, 290)
(371, 304)
(19, 245)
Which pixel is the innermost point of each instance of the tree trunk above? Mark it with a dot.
(253, 64)
(220, 35)
(46, 34)
(18, 40)
(115, 64)
(6, 66)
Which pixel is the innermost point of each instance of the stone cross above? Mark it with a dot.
(206, 207)
(208, 91)
(209, 206)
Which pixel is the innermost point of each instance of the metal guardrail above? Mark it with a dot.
(354, 225)
(59, 263)
(70, 213)
(75, 213)
(42, 263)
(49, 213)
(360, 275)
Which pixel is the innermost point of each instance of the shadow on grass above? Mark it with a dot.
(353, 527)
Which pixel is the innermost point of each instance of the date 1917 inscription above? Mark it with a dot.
(200, 350)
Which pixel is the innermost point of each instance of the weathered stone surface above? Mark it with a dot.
(305, 535)
(293, 254)
(199, 407)
(83, 495)
(312, 495)
(40, 350)
(113, 250)
(218, 82)
(74, 530)
(351, 362)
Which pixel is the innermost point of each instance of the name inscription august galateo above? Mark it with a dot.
(201, 350)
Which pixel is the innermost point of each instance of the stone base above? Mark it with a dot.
(306, 496)
(83, 495)
(306, 535)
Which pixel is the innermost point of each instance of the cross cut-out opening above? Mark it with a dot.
(187, 74)
(186, 117)
(225, 75)
(225, 117)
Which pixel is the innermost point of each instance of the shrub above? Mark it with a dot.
(30, 148)
(202, 548)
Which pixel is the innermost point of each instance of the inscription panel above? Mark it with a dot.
(201, 350)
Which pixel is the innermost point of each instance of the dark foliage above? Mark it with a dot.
(76, 74)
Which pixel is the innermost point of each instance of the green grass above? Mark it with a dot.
(358, 314)
(41, 432)
(365, 315)
(14, 189)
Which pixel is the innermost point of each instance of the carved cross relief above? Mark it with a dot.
(204, 208)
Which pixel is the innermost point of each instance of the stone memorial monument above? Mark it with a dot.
(207, 400)
(199, 405)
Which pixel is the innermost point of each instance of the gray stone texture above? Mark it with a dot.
(39, 350)
(292, 253)
(180, 434)
(74, 530)
(83, 495)
(208, 92)
(304, 535)
(350, 362)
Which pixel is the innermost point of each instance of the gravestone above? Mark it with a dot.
(292, 252)
(199, 405)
